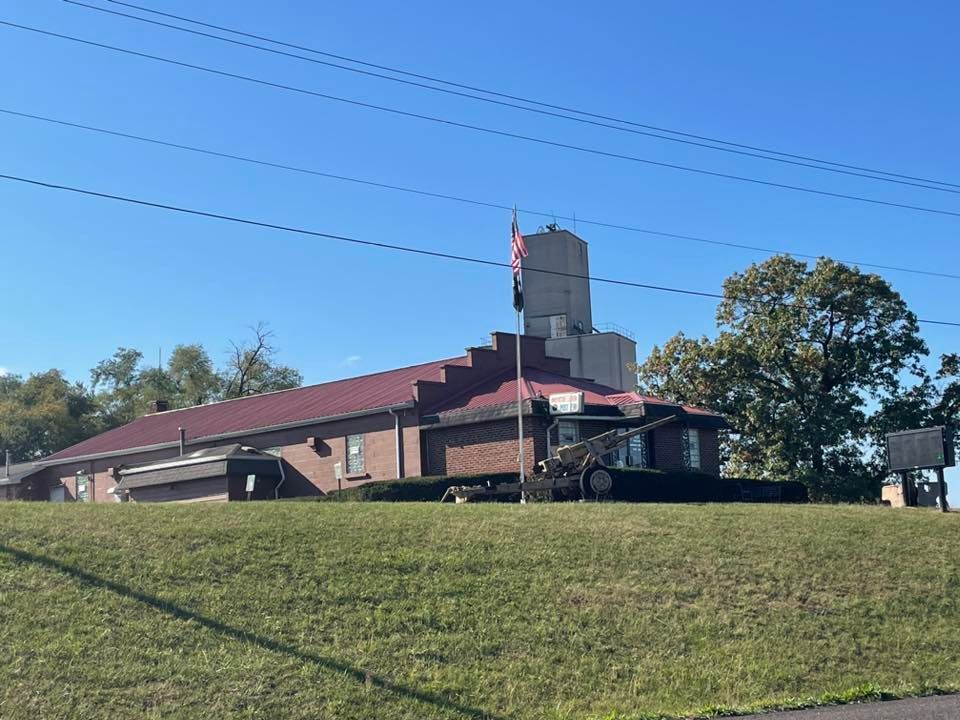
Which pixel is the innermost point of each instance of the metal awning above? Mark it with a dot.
(213, 462)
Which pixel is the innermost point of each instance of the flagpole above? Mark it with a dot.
(523, 472)
(518, 250)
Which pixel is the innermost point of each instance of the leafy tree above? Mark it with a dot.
(800, 356)
(43, 414)
(935, 400)
(119, 389)
(193, 376)
(46, 413)
(947, 408)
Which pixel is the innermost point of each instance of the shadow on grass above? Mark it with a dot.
(350, 671)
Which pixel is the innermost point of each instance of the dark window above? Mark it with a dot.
(568, 432)
(694, 436)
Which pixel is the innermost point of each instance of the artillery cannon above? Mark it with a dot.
(573, 467)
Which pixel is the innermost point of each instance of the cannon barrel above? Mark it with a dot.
(623, 438)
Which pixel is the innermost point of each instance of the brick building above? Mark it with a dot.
(448, 417)
(452, 416)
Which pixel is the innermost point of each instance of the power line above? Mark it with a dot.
(483, 129)
(502, 103)
(455, 198)
(519, 98)
(403, 248)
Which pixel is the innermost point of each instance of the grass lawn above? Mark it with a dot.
(356, 610)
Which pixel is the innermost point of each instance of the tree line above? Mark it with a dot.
(45, 412)
(811, 366)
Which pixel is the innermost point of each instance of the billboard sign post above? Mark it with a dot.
(923, 449)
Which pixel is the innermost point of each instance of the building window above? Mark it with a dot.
(620, 457)
(694, 444)
(638, 451)
(354, 454)
(568, 432)
(558, 326)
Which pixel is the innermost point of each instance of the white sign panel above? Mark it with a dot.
(566, 403)
(338, 470)
(251, 482)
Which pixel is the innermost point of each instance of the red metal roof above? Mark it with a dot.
(536, 383)
(340, 397)
(541, 384)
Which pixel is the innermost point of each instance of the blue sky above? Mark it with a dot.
(865, 83)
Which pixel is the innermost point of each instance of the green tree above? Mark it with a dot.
(119, 386)
(800, 356)
(934, 400)
(43, 414)
(193, 375)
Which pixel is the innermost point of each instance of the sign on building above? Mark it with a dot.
(566, 403)
(920, 449)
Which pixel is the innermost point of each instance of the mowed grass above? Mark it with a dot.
(324, 610)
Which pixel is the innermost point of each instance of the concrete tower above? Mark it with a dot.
(557, 307)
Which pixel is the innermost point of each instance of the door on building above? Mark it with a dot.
(57, 494)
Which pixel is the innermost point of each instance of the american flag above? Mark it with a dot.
(518, 248)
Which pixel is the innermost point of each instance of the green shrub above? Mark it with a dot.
(665, 486)
(677, 486)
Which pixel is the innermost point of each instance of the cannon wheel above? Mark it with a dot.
(596, 482)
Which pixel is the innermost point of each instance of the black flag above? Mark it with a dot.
(517, 293)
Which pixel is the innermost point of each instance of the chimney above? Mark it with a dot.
(158, 406)
(183, 440)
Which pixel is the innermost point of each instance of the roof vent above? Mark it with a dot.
(158, 406)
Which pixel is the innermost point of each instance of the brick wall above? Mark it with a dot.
(311, 470)
(484, 447)
(710, 451)
(668, 448)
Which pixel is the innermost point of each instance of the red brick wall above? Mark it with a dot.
(99, 474)
(668, 448)
(484, 447)
(710, 451)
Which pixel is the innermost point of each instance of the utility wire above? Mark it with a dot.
(455, 198)
(519, 98)
(480, 128)
(503, 103)
(405, 248)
